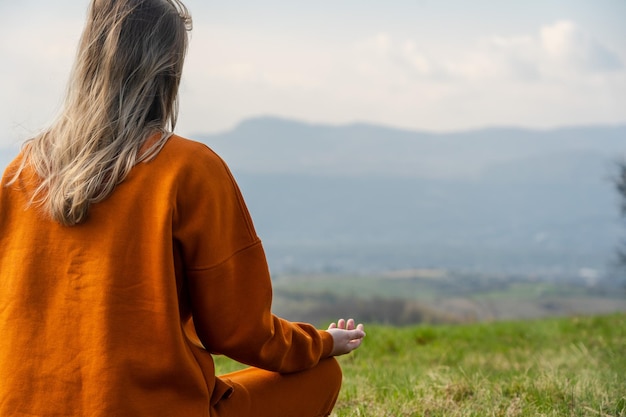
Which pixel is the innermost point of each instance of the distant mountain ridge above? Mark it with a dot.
(272, 145)
(361, 197)
(366, 197)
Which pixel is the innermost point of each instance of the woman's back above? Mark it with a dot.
(87, 311)
(127, 255)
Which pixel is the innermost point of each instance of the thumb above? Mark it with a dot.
(355, 334)
(345, 341)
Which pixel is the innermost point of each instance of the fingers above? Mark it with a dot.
(343, 324)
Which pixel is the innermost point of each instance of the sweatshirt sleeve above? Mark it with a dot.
(228, 278)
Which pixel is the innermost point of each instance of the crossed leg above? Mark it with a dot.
(259, 393)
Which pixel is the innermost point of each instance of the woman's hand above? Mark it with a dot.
(346, 336)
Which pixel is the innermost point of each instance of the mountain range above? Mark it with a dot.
(361, 197)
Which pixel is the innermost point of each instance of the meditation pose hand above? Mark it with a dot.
(346, 336)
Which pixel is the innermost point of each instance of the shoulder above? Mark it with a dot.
(207, 195)
(194, 166)
(18, 171)
(189, 150)
(190, 156)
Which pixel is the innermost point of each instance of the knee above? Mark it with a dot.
(332, 383)
(332, 373)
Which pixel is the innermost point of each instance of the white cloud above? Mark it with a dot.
(569, 46)
(556, 50)
(561, 50)
(561, 38)
(531, 79)
(400, 60)
(556, 75)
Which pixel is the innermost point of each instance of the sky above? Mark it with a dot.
(430, 65)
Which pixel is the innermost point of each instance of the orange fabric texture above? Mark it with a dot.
(261, 393)
(117, 316)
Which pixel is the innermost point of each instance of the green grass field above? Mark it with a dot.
(549, 367)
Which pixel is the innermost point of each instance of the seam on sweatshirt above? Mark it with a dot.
(256, 242)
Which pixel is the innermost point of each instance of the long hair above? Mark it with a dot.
(122, 91)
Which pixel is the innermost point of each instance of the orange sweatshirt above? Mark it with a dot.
(95, 319)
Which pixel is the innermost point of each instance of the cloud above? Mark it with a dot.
(557, 74)
(401, 62)
(556, 50)
(568, 45)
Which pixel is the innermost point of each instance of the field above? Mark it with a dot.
(440, 296)
(550, 367)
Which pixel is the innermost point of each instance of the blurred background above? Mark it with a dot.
(437, 161)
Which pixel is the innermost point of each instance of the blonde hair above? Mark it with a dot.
(123, 90)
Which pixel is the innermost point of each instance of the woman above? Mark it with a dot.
(127, 254)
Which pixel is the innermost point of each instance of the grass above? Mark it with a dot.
(549, 367)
